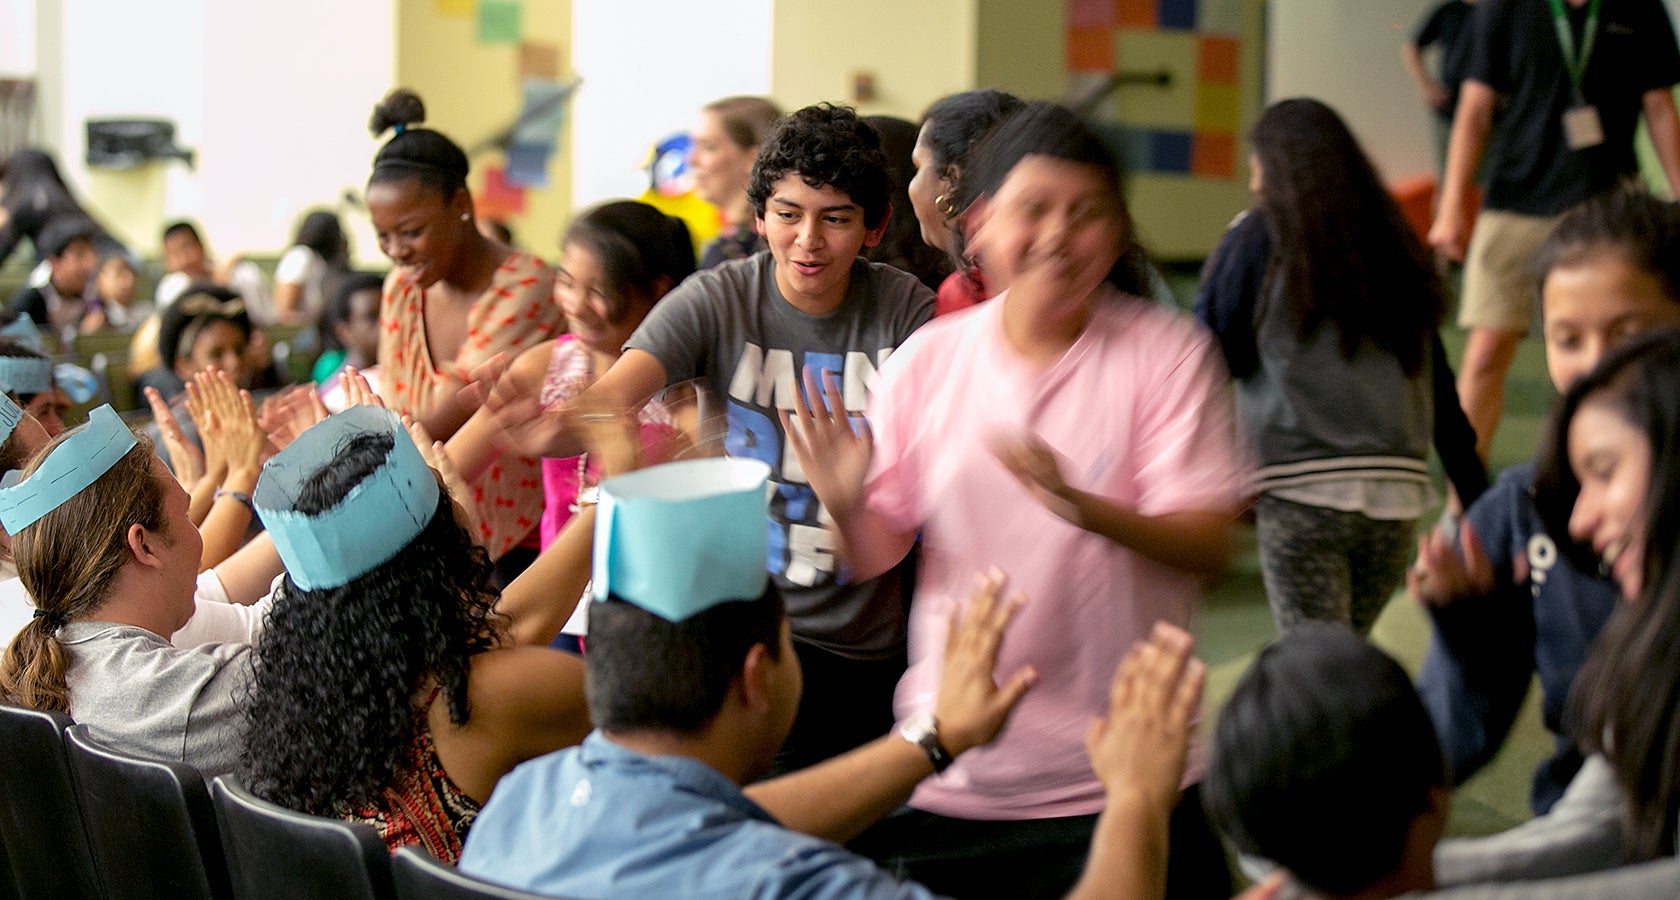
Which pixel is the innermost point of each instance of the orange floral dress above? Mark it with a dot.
(516, 311)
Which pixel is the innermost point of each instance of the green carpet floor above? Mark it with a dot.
(1235, 621)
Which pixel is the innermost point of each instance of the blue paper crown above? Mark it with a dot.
(375, 520)
(73, 465)
(27, 374)
(681, 538)
(10, 413)
(24, 330)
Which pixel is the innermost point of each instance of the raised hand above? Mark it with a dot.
(357, 391)
(241, 438)
(1444, 575)
(612, 436)
(520, 424)
(1035, 465)
(184, 457)
(209, 432)
(971, 707)
(1138, 750)
(834, 456)
(290, 413)
(435, 456)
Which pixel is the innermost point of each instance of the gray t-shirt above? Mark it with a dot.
(730, 326)
(141, 694)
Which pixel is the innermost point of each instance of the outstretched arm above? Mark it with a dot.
(840, 798)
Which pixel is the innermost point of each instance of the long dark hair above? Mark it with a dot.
(901, 246)
(1045, 129)
(334, 700)
(638, 246)
(1341, 253)
(1626, 699)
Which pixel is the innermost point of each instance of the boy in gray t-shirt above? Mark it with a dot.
(751, 329)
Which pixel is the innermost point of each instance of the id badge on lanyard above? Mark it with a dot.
(1582, 127)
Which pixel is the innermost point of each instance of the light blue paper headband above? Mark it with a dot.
(24, 330)
(681, 538)
(10, 414)
(72, 466)
(27, 374)
(375, 520)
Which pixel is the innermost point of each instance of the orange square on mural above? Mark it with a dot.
(1216, 59)
(1090, 50)
(1213, 155)
(1135, 13)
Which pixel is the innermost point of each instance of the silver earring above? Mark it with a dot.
(466, 217)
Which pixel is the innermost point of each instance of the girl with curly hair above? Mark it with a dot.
(386, 689)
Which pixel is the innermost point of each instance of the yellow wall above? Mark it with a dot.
(472, 90)
(918, 51)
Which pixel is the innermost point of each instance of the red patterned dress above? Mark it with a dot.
(421, 806)
(515, 312)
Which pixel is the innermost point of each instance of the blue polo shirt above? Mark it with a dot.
(599, 821)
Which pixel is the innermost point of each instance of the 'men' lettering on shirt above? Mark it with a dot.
(801, 546)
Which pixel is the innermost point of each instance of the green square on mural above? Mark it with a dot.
(498, 21)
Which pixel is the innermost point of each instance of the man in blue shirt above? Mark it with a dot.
(693, 690)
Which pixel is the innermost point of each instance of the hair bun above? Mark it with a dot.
(401, 107)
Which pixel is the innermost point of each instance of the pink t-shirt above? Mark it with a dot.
(1140, 411)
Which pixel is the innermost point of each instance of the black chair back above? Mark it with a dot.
(150, 823)
(273, 851)
(40, 819)
(421, 876)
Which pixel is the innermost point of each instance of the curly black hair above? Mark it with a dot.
(827, 146)
(334, 698)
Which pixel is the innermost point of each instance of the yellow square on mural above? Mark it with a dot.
(460, 9)
(1217, 107)
(1149, 104)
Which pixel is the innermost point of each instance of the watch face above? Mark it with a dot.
(918, 726)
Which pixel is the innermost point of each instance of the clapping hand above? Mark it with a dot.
(184, 456)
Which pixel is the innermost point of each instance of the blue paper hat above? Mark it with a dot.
(10, 414)
(375, 520)
(681, 538)
(27, 374)
(68, 470)
(24, 330)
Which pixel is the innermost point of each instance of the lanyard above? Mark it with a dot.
(1576, 64)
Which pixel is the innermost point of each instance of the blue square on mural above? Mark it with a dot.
(1178, 14)
(1169, 151)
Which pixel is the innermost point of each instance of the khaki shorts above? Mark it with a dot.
(1500, 287)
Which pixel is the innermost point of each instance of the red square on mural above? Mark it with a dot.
(1213, 154)
(1216, 59)
(1136, 13)
(1090, 50)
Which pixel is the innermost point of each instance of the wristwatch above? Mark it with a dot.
(923, 731)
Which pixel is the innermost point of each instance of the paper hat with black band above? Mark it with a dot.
(681, 538)
(375, 520)
(74, 464)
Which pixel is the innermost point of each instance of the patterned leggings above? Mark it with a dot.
(1328, 565)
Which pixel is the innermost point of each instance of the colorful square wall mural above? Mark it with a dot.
(1189, 125)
